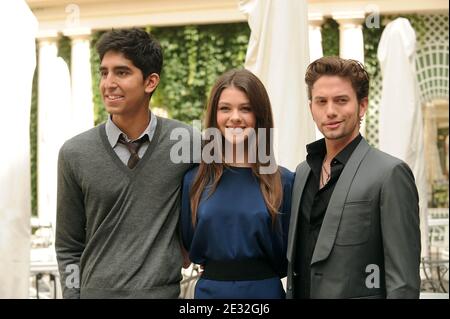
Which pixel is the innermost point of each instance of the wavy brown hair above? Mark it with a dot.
(349, 69)
(210, 174)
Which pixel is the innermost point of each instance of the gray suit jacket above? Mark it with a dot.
(369, 243)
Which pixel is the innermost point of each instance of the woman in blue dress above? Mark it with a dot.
(236, 203)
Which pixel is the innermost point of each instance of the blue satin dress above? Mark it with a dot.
(234, 224)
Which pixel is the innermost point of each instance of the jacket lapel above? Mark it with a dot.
(301, 175)
(335, 207)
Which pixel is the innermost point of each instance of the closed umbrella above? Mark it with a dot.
(278, 54)
(401, 121)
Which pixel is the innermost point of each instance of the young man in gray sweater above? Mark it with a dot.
(118, 189)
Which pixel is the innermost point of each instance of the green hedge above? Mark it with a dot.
(33, 141)
(330, 37)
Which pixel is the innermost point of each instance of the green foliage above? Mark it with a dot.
(33, 141)
(371, 40)
(65, 49)
(100, 114)
(439, 195)
(330, 37)
(194, 56)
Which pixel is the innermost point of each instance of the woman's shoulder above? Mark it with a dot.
(190, 175)
(287, 177)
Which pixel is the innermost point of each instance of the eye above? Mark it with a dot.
(103, 73)
(224, 108)
(321, 101)
(122, 73)
(342, 101)
(246, 109)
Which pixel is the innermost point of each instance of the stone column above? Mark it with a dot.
(315, 36)
(82, 103)
(53, 120)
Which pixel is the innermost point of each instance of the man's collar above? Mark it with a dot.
(345, 154)
(316, 147)
(113, 132)
(319, 148)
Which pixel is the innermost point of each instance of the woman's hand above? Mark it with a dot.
(186, 260)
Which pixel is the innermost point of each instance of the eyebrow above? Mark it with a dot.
(334, 97)
(117, 68)
(341, 97)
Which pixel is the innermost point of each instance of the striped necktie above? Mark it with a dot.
(133, 148)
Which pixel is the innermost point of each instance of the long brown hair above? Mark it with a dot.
(210, 174)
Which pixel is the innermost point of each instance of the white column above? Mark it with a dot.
(351, 41)
(53, 120)
(82, 103)
(48, 50)
(315, 46)
(315, 36)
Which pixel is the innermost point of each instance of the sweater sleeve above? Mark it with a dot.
(70, 228)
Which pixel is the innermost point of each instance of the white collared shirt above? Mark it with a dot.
(113, 133)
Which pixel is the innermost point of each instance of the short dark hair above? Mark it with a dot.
(136, 45)
(345, 68)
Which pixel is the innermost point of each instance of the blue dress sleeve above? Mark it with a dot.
(187, 229)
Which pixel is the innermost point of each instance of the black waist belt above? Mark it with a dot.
(248, 269)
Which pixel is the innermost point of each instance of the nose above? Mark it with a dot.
(330, 110)
(109, 81)
(235, 116)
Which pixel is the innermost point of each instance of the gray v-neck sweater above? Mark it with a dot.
(118, 225)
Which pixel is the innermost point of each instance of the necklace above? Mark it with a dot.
(325, 176)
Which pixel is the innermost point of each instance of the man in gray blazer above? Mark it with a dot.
(354, 229)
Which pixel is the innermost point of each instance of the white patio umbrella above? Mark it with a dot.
(18, 27)
(278, 54)
(401, 121)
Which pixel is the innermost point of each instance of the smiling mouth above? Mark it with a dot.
(333, 124)
(113, 97)
(235, 130)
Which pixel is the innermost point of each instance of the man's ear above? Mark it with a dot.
(363, 105)
(151, 82)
